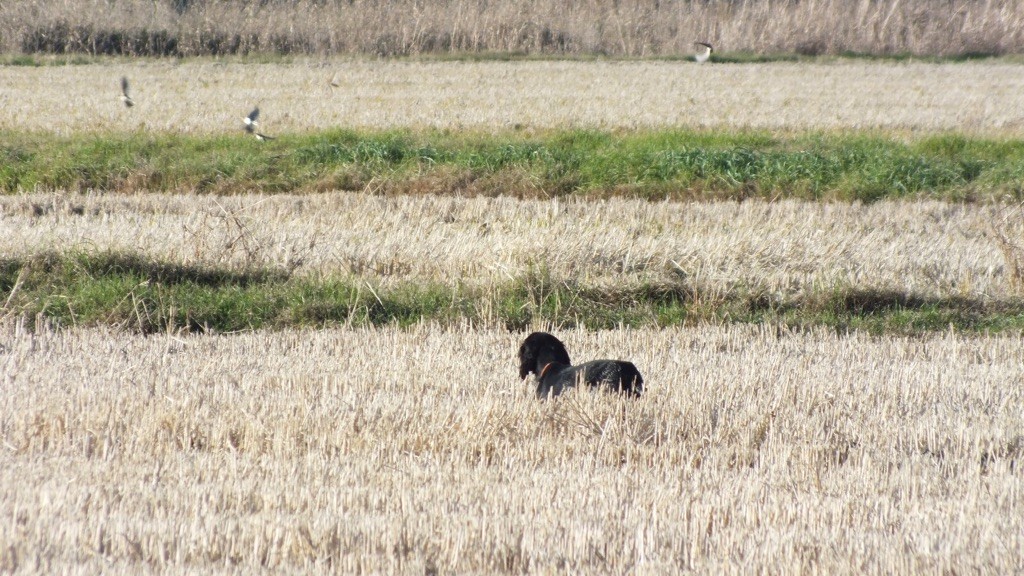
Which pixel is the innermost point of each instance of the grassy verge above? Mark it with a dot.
(130, 292)
(675, 164)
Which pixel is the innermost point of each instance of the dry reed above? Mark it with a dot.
(383, 450)
(628, 27)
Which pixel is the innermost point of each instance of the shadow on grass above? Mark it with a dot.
(891, 311)
(115, 264)
(138, 294)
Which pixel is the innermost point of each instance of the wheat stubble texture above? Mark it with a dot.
(933, 249)
(209, 97)
(384, 450)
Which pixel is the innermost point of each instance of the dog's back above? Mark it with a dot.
(611, 375)
(615, 375)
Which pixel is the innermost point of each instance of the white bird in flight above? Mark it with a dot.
(252, 122)
(704, 51)
(128, 102)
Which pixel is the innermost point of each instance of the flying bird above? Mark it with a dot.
(252, 120)
(251, 124)
(128, 102)
(704, 51)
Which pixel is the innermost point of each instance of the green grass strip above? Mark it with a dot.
(136, 294)
(673, 164)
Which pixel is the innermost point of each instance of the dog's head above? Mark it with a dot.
(540, 345)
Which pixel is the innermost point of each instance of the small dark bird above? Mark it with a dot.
(546, 357)
(704, 51)
(128, 102)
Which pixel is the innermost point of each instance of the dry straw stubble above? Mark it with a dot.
(384, 450)
(210, 97)
(929, 249)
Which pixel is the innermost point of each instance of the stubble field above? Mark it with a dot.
(418, 451)
(380, 449)
(209, 96)
(928, 248)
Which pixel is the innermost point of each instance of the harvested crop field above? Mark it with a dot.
(219, 354)
(418, 450)
(931, 249)
(206, 96)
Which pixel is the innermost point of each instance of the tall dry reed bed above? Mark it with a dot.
(629, 28)
(420, 451)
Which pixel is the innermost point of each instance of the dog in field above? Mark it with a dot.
(546, 357)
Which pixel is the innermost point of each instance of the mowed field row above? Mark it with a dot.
(208, 97)
(386, 450)
(926, 248)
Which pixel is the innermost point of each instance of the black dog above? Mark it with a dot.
(545, 356)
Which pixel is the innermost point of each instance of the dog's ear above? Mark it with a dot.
(549, 347)
(527, 359)
(538, 346)
(557, 349)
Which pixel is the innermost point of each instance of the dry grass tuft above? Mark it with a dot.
(382, 450)
(1005, 229)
